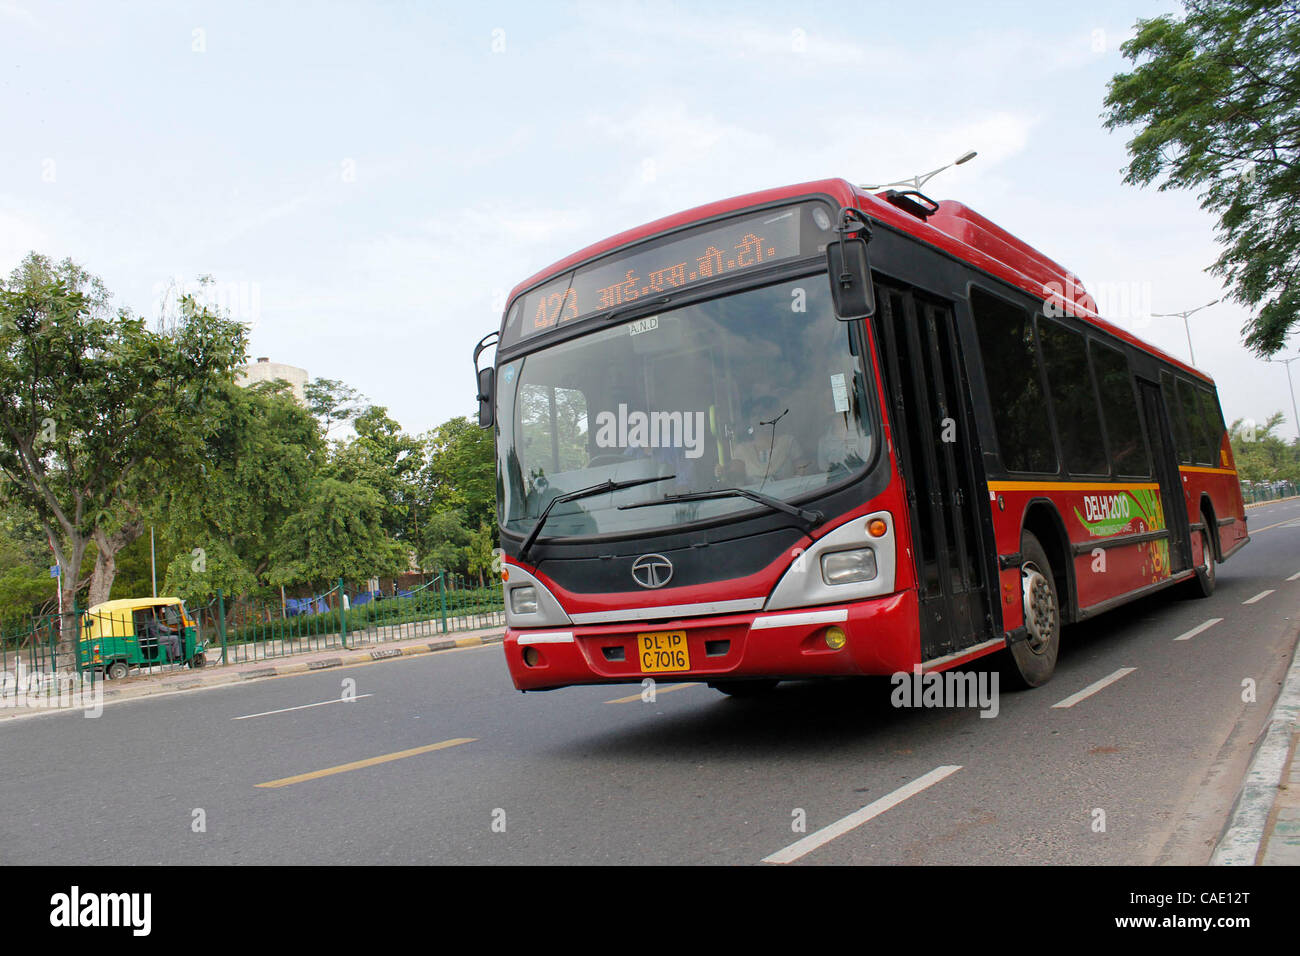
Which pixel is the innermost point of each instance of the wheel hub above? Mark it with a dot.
(1039, 605)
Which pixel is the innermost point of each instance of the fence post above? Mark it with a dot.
(77, 635)
(221, 623)
(442, 598)
(54, 659)
(343, 617)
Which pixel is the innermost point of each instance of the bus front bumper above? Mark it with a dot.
(880, 638)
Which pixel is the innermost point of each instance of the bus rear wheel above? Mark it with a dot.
(745, 688)
(1031, 662)
(1202, 585)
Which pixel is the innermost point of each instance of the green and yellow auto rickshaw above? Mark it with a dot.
(139, 632)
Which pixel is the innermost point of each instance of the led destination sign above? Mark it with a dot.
(699, 256)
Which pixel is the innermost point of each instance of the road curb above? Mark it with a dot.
(288, 667)
(1241, 841)
(369, 655)
(1271, 501)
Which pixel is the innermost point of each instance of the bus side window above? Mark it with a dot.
(1198, 435)
(1074, 398)
(1011, 368)
(1120, 411)
(1213, 417)
(1176, 418)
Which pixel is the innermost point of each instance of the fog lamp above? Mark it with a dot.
(835, 638)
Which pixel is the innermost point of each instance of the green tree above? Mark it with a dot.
(443, 542)
(25, 585)
(212, 564)
(1216, 106)
(337, 532)
(1262, 456)
(256, 467)
(460, 475)
(479, 551)
(387, 460)
(332, 402)
(92, 401)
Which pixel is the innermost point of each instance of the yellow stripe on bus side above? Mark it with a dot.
(1208, 471)
(1067, 486)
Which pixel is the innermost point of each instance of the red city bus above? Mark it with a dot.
(816, 432)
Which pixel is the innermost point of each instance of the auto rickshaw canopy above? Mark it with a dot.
(117, 618)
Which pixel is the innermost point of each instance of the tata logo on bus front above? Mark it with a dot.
(652, 570)
(1105, 507)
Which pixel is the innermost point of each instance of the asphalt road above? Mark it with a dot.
(695, 777)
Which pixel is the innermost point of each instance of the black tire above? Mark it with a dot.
(1202, 585)
(199, 660)
(1031, 662)
(745, 688)
(116, 670)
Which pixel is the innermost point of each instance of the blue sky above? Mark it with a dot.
(366, 181)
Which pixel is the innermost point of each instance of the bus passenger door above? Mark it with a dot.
(933, 428)
(1173, 497)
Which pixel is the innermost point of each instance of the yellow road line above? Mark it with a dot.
(658, 690)
(1278, 525)
(368, 762)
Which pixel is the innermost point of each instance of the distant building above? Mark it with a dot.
(264, 370)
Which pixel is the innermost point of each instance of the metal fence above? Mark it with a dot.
(1268, 490)
(247, 630)
(244, 629)
(28, 649)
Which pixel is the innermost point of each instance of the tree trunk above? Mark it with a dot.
(101, 579)
(108, 545)
(69, 562)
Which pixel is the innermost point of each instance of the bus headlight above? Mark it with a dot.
(523, 600)
(849, 567)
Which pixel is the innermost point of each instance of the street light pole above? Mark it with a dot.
(916, 182)
(1296, 420)
(1187, 327)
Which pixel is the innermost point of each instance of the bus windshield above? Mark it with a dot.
(758, 390)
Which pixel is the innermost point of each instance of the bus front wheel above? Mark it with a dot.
(1032, 660)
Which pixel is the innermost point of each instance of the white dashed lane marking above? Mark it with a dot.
(854, 820)
(1093, 688)
(1198, 629)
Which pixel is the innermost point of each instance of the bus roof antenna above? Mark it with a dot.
(916, 182)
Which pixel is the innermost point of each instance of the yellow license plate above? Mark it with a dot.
(663, 651)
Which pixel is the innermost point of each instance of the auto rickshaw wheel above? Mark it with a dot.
(199, 660)
(116, 670)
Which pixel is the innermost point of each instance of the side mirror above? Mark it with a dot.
(485, 397)
(849, 271)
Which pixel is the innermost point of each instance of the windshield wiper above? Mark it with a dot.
(600, 489)
(810, 518)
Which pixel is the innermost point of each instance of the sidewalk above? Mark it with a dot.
(1265, 826)
(181, 678)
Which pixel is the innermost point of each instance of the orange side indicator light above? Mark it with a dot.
(877, 527)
